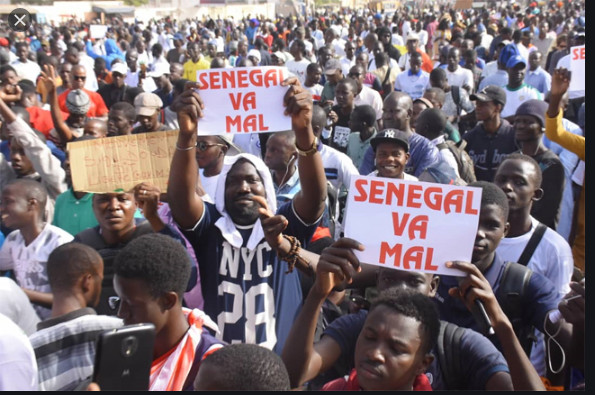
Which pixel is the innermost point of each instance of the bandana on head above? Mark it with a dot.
(228, 228)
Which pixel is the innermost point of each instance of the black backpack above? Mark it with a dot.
(464, 161)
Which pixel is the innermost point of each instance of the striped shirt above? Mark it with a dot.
(65, 347)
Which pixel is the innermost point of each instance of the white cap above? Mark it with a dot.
(255, 53)
(120, 67)
(160, 69)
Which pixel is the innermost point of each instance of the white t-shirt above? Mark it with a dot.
(298, 68)
(460, 77)
(517, 97)
(29, 262)
(16, 306)
(315, 90)
(209, 184)
(27, 71)
(18, 366)
(412, 84)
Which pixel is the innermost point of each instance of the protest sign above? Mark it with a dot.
(243, 100)
(411, 225)
(463, 4)
(577, 68)
(97, 31)
(115, 164)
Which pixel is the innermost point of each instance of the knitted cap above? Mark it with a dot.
(534, 107)
(78, 102)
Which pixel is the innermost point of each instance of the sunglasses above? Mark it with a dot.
(79, 77)
(202, 146)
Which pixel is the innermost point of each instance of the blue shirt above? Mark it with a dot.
(248, 293)
(423, 154)
(499, 78)
(478, 356)
(539, 299)
(539, 79)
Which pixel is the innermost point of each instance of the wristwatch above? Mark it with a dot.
(310, 151)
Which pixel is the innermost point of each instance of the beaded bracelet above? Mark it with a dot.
(293, 255)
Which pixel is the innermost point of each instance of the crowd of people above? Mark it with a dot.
(242, 265)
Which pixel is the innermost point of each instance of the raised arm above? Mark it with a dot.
(186, 205)
(475, 286)
(554, 130)
(304, 359)
(310, 200)
(48, 79)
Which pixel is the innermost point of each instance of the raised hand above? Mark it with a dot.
(560, 82)
(48, 78)
(298, 105)
(337, 265)
(189, 107)
(273, 225)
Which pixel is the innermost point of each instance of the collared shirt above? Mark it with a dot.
(74, 215)
(499, 78)
(539, 79)
(516, 97)
(289, 189)
(412, 84)
(190, 68)
(356, 148)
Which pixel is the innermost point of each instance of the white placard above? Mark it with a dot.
(243, 100)
(577, 67)
(97, 31)
(411, 225)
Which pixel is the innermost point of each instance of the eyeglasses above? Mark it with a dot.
(202, 146)
(79, 77)
(113, 302)
(351, 75)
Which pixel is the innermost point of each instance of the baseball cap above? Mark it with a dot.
(331, 66)
(178, 36)
(160, 69)
(120, 68)
(147, 103)
(391, 136)
(508, 52)
(378, 15)
(515, 60)
(412, 36)
(490, 93)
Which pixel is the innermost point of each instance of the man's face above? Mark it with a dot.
(14, 207)
(140, 46)
(137, 305)
(96, 284)
(349, 49)
(118, 124)
(432, 97)
(335, 77)
(534, 60)
(243, 182)
(208, 151)
(279, 153)
(517, 178)
(493, 227)
(388, 353)
(211, 50)
(526, 39)
(390, 160)
(118, 79)
(417, 109)
(114, 211)
(175, 72)
(385, 38)
(131, 59)
(485, 110)
(9, 78)
(194, 52)
(412, 45)
(526, 128)
(95, 128)
(453, 59)
(79, 75)
(344, 95)
(516, 74)
(21, 164)
(313, 77)
(393, 115)
(423, 283)
(23, 53)
(415, 64)
(148, 123)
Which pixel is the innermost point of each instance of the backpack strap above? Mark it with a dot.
(456, 97)
(386, 76)
(449, 356)
(513, 284)
(532, 244)
(442, 146)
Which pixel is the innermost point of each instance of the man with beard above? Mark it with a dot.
(253, 296)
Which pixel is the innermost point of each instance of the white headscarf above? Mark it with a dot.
(228, 228)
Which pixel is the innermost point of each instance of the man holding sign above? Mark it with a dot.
(251, 294)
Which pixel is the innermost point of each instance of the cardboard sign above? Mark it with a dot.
(411, 225)
(115, 164)
(243, 100)
(97, 31)
(463, 4)
(577, 67)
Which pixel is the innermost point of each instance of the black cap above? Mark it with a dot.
(391, 136)
(490, 93)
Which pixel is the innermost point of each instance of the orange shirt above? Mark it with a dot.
(96, 109)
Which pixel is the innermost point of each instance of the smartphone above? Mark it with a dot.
(123, 358)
